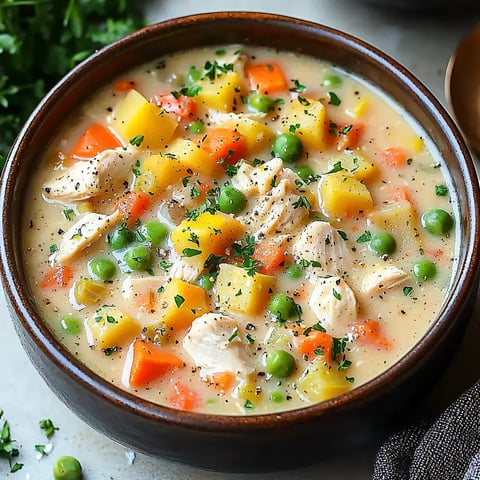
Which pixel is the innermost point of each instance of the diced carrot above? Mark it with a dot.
(270, 257)
(123, 85)
(399, 193)
(132, 206)
(181, 106)
(349, 136)
(224, 145)
(95, 139)
(183, 397)
(150, 362)
(59, 277)
(369, 332)
(266, 78)
(222, 381)
(314, 344)
(394, 157)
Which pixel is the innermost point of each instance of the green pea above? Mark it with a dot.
(206, 282)
(138, 258)
(424, 270)
(283, 307)
(288, 147)
(153, 232)
(382, 243)
(192, 75)
(67, 468)
(279, 363)
(305, 172)
(71, 324)
(260, 103)
(231, 200)
(294, 272)
(332, 81)
(196, 127)
(437, 221)
(121, 237)
(277, 397)
(102, 268)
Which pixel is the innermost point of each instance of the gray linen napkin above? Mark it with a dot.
(447, 448)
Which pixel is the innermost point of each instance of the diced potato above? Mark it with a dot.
(158, 172)
(401, 221)
(207, 234)
(342, 195)
(239, 292)
(309, 117)
(181, 303)
(88, 292)
(359, 108)
(321, 381)
(135, 115)
(248, 391)
(190, 156)
(357, 165)
(259, 136)
(222, 94)
(109, 327)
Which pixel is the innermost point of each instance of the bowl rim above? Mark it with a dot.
(69, 364)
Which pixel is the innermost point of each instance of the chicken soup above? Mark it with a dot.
(238, 230)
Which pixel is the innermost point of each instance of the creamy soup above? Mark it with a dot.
(239, 230)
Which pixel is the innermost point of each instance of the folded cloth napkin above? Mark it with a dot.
(447, 448)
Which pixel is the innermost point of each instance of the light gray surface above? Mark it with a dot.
(419, 41)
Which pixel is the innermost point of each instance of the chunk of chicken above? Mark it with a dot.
(334, 304)
(214, 347)
(384, 278)
(108, 174)
(185, 268)
(280, 210)
(320, 242)
(253, 181)
(83, 233)
(140, 295)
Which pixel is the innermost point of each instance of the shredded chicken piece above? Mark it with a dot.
(83, 233)
(334, 304)
(320, 242)
(253, 181)
(140, 295)
(215, 345)
(384, 278)
(107, 174)
(188, 269)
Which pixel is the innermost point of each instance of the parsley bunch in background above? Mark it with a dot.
(41, 40)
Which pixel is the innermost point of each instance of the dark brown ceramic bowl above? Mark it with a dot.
(253, 442)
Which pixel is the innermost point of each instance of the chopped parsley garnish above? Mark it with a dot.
(136, 169)
(164, 265)
(214, 69)
(297, 86)
(194, 239)
(302, 202)
(232, 170)
(250, 339)
(8, 449)
(191, 91)
(303, 101)
(336, 294)
(294, 127)
(246, 250)
(111, 319)
(185, 181)
(110, 351)
(68, 213)
(41, 449)
(53, 248)
(407, 291)
(137, 140)
(334, 100)
(342, 234)
(248, 404)
(179, 300)
(190, 252)
(366, 236)
(48, 427)
(337, 167)
(234, 334)
(441, 190)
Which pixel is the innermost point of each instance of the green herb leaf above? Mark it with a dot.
(334, 100)
(233, 335)
(179, 300)
(48, 427)
(366, 236)
(137, 140)
(190, 252)
(441, 190)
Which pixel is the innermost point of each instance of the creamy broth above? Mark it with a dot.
(308, 278)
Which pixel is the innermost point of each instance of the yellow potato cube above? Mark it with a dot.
(135, 115)
(181, 303)
(109, 327)
(259, 136)
(357, 165)
(401, 221)
(222, 94)
(308, 116)
(342, 195)
(208, 234)
(239, 292)
(193, 158)
(165, 170)
(321, 381)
